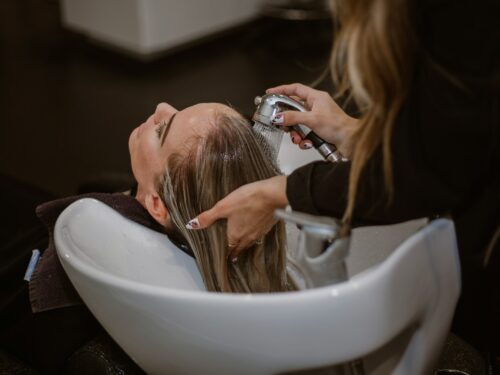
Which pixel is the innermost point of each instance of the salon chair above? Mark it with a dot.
(149, 296)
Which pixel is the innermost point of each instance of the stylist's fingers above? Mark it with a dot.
(236, 248)
(207, 218)
(246, 239)
(289, 118)
(304, 144)
(249, 211)
(295, 137)
(304, 92)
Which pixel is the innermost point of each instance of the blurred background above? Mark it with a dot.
(76, 76)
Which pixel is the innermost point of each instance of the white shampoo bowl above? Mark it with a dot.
(149, 296)
(394, 312)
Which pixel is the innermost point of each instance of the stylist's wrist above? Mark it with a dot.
(276, 191)
(346, 130)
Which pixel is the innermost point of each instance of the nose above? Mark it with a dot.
(163, 110)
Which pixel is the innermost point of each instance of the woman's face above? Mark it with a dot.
(165, 132)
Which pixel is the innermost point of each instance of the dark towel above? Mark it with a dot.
(49, 287)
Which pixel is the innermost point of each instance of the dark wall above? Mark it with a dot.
(67, 106)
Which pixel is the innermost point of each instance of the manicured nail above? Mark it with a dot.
(307, 145)
(278, 118)
(193, 224)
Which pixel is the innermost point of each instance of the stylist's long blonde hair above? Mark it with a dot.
(372, 62)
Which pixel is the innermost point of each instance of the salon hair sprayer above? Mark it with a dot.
(271, 104)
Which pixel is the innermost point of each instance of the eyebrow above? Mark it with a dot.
(166, 129)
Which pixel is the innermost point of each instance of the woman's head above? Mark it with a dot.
(165, 132)
(211, 151)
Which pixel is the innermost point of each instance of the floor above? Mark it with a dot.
(67, 106)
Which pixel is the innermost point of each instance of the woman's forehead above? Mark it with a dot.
(194, 121)
(200, 117)
(209, 109)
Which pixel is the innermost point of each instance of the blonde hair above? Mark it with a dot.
(372, 62)
(216, 164)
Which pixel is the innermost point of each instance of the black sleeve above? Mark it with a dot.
(445, 140)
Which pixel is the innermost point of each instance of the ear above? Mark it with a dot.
(157, 209)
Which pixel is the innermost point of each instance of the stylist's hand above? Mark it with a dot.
(249, 211)
(324, 117)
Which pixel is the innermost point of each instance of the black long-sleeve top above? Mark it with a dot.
(446, 139)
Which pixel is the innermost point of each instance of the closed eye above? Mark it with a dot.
(160, 128)
(167, 128)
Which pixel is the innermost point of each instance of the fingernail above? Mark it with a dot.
(234, 259)
(193, 224)
(307, 145)
(295, 139)
(278, 118)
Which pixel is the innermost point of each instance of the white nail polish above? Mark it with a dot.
(193, 224)
(307, 146)
(278, 118)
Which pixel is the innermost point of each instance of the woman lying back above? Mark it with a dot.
(186, 161)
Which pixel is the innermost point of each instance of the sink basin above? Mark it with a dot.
(393, 313)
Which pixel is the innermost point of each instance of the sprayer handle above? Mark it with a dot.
(327, 150)
(306, 133)
(315, 139)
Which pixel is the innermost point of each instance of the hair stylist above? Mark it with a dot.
(424, 75)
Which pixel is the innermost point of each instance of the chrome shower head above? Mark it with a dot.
(268, 106)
